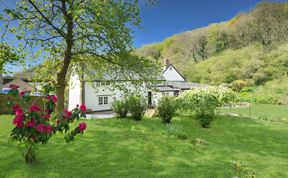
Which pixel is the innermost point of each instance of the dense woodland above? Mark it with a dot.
(251, 48)
(250, 44)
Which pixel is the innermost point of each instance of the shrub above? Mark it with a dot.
(120, 107)
(237, 85)
(205, 101)
(260, 78)
(37, 125)
(166, 109)
(137, 106)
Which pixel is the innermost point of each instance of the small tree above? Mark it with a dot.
(35, 125)
(137, 105)
(120, 107)
(166, 109)
(205, 101)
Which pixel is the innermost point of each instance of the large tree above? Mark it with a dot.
(76, 33)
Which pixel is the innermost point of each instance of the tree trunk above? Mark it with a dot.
(1, 81)
(61, 76)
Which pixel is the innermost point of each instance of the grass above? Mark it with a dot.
(125, 148)
(262, 111)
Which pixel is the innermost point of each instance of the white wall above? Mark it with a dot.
(93, 92)
(171, 74)
(74, 92)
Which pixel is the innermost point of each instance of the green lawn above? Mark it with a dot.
(125, 148)
(263, 111)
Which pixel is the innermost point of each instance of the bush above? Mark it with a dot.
(120, 107)
(137, 105)
(36, 124)
(237, 85)
(166, 109)
(205, 119)
(204, 102)
(260, 78)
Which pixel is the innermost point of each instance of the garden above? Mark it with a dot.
(181, 140)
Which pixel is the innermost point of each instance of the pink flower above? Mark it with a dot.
(14, 87)
(82, 126)
(18, 121)
(41, 128)
(16, 107)
(67, 114)
(31, 123)
(19, 112)
(54, 98)
(34, 108)
(47, 117)
(83, 108)
(22, 93)
(48, 129)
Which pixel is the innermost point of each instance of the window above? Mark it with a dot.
(103, 83)
(100, 100)
(103, 100)
(106, 100)
(165, 93)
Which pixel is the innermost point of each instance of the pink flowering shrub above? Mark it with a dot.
(36, 125)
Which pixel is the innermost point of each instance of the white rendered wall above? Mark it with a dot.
(171, 74)
(74, 92)
(92, 94)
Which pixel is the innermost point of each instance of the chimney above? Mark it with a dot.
(166, 62)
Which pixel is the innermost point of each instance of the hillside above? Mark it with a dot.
(252, 46)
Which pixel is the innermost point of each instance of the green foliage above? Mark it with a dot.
(252, 47)
(120, 107)
(166, 109)
(204, 102)
(137, 106)
(68, 34)
(238, 85)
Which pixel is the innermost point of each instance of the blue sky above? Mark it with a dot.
(169, 17)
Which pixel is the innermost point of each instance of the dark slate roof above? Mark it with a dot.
(165, 88)
(185, 85)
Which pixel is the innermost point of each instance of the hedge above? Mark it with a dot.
(4, 98)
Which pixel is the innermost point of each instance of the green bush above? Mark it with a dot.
(137, 105)
(238, 85)
(166, 109)
(205, 101)
(205, 119)
(120, 107)
(260, 78)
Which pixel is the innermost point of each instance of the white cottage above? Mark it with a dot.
(100, 94)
